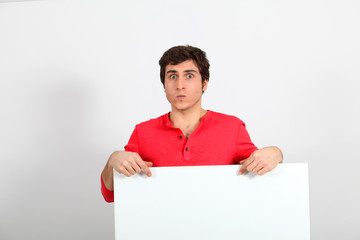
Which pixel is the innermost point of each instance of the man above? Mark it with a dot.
(188, 135)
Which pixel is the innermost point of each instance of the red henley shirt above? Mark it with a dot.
(218, 140)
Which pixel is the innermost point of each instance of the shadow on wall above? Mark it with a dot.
(55, 182)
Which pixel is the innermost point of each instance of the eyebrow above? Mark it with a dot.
(171, 71)
(190, 71)
(187, 71)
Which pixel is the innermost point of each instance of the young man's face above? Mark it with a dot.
(183, 86)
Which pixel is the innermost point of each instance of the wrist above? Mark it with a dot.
(110, 163)
(280, 155)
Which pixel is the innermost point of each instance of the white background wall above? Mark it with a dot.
(76, 76)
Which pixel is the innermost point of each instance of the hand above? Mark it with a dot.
(262, 161)
(129, 163)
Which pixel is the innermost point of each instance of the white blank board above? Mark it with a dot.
(213, 202)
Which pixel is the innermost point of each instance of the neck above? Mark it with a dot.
(188, 120)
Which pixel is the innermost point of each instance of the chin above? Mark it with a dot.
(180, 108)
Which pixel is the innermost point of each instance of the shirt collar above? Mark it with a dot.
(206, 119)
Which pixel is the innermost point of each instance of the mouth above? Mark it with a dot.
(180, 96)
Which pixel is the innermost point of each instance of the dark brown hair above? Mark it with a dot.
(179, 54)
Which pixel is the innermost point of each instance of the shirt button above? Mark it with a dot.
(186, 149)
(180, 137)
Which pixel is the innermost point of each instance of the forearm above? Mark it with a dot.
(107, 175)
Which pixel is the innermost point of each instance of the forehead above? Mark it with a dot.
(183, 66)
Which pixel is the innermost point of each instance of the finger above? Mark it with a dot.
(252, 166)
(138, 160)
(242, 169)
(149, 164)
(129, 167)
(147, 169)
(242, 162)
(135, 161)
(123, 170)
(258, 167)
(135, 166)
(246, 163)
(143, 165)
(263, 171)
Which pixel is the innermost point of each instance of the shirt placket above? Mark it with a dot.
(185, 143)
(186, 150)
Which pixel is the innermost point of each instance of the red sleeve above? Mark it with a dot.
(244, 147)
(107, 194)
(133, 144)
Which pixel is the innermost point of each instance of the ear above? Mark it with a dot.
(204, 87)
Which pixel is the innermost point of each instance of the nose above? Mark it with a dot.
(180, 83)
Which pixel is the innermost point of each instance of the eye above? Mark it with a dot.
(172, 76)
(189, 75)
